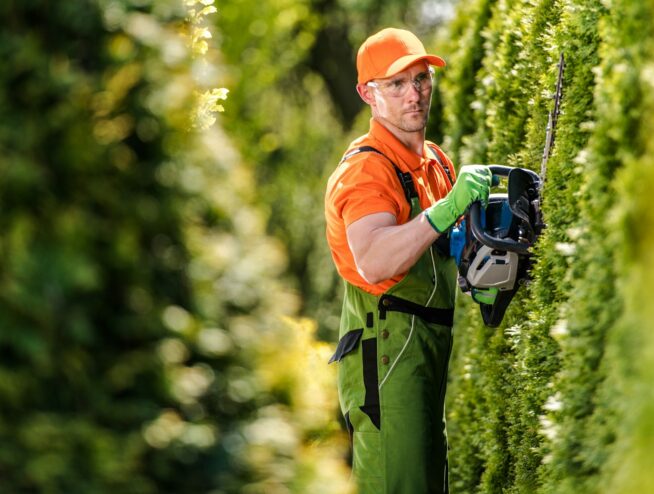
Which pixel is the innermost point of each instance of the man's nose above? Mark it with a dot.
(414, 90)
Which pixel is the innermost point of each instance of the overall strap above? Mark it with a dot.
(389, 303)
(405, 177)
(446, 168)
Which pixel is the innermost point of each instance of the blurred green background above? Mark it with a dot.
(167, 300)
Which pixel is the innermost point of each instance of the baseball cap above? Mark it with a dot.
(391, 51)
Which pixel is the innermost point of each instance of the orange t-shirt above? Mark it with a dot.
(367, 183)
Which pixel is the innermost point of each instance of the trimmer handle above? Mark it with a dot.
(503, 171)
(486, 239)
(500, 170)
(481, 235)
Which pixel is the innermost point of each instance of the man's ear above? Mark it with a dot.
(365, 92)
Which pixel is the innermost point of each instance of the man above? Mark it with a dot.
(387, 205)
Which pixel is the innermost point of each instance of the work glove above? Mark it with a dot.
(472, 184)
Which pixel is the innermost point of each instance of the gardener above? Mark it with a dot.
(389, 205)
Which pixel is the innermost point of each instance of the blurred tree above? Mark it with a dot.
(331, 56)
(137, 282)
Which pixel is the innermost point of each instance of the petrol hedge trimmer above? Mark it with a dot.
(492, 245)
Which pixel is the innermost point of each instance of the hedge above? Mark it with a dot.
(556, 399)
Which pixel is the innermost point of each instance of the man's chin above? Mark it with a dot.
(415, 124)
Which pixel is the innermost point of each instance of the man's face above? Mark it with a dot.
(398, 102)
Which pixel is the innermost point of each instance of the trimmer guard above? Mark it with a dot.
(494, 258)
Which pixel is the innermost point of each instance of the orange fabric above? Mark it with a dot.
(389, 52)
(367, 183)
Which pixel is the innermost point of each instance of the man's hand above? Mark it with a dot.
(473, 184)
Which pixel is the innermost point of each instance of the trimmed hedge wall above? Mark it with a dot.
(557, 399)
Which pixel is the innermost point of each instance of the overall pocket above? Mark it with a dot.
(346, 344)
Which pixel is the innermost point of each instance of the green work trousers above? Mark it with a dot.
(393, 355)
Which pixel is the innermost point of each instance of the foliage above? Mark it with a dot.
(197, 33)
(540, 404)
(463, 66)
(284, 123)
(151, 274)
(140, 293)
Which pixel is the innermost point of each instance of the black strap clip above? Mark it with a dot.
(407, 184)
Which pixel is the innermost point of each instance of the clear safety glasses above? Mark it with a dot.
(399, 87)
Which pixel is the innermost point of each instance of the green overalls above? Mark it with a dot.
(393, 355)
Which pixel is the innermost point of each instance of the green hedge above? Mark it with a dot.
(543, 404)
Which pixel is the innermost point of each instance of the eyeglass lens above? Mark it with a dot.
(398, 87)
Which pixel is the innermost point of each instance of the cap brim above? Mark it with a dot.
(403, 62)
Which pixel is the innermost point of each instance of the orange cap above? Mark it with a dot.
(391, 51)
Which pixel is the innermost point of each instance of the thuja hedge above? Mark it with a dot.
(557, 399)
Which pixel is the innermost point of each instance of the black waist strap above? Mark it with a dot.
(444, 317)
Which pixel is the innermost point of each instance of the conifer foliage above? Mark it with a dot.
(546, 403)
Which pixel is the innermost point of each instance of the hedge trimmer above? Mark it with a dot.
(492, 246)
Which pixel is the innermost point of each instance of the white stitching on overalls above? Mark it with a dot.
(413, 320)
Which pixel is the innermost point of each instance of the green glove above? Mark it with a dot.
(473, 184)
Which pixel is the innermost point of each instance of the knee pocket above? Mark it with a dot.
(367, 457)
(357, 377)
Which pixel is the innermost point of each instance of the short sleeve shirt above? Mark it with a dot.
(366, 183)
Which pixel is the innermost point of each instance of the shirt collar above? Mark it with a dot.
(404, 157)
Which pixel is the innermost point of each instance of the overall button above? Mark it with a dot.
(384, 334)
(386, 302)
(385, 360)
